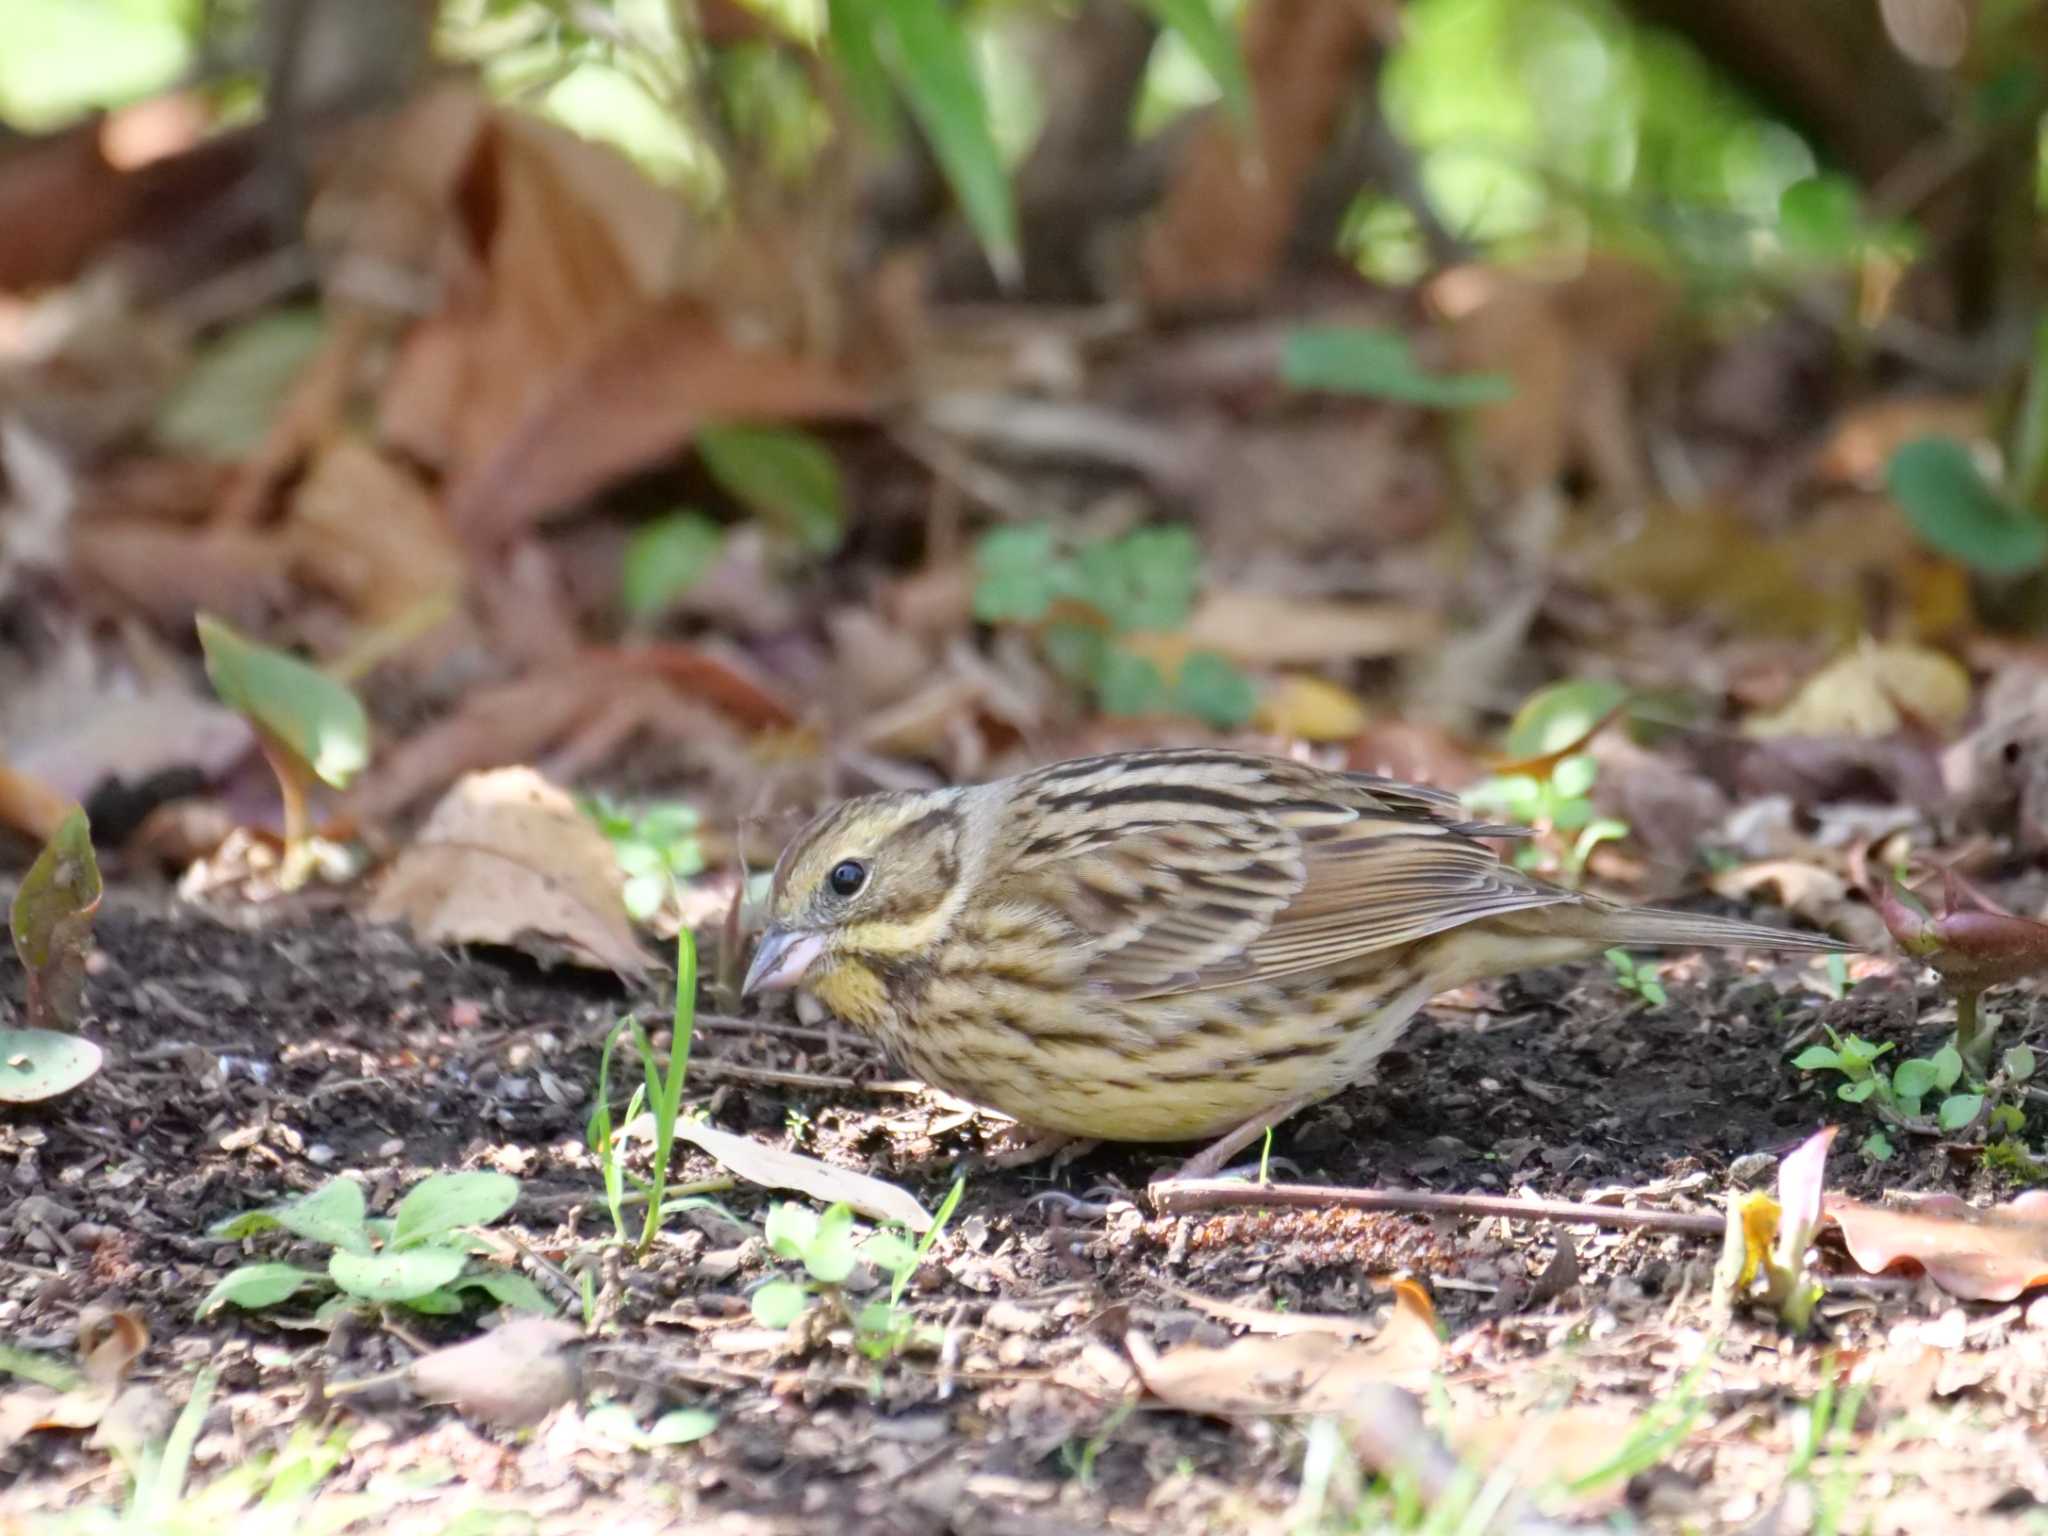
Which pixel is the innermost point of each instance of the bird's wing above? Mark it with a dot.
(1175, 885)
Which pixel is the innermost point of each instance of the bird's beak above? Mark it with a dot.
(781, 960)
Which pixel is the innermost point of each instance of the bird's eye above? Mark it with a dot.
(847, 877)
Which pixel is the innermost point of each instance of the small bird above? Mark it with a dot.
(1170, 945)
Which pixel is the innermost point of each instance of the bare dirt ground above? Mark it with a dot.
(249, 1063)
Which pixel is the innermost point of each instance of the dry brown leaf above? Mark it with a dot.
(1805, 889)
(639, 395)
(1967, 1250)
(778, 1168)
(1866, 436)
(168, 574)
(132, 739)
(109, 1343)
(1265, 1320)
(517, 1374)
(365, 530)
(1875, 690)
(1267, 629)
(29, 805)
(507, 858)
(1226, 219)
(1294, 1373)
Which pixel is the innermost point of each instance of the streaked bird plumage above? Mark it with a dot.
(1168, 945)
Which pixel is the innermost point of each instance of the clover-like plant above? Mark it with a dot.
(828, 1245)
(423, 1256)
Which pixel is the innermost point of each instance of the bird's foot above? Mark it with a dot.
(1030, 1147)
(1209, 1162)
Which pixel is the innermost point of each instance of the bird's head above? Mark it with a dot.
(861, 896)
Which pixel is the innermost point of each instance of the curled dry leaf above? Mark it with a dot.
(507, 858)
(1875, 691)
(777, 1168)
(1295, 1372)
(109, 1343)
(1978, 1254)
(52, 923)
(517, 1374)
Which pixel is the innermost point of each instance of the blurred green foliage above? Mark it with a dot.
(1085, 600)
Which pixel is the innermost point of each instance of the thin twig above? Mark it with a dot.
(1181, 1197)
(711, 1066)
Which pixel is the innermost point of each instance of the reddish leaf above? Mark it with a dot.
(635, 399)
(1978, 1254)
(1972, 949)
(52, 922)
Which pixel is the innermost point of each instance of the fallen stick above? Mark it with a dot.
(1184, 1197)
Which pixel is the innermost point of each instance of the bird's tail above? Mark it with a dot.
(1622, 927)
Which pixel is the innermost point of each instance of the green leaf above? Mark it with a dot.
(790, 1229)
(1129, 684)
(223, 406)
(52, 923)
(395, 1275)
(1877, 1147)
(1143, 581)
(1017, 574)
(1552, 718)
(890, 1251)
(1654, 993)
(779, 1303)
(446, 1201)
(331, 1214)
(1573, 776)
(1915, 1079)
(931, 59)
(788, 477)
(2007, 1118)
(830, 1255)
(1936, 483)
(681, 1426)
(665, 558)
(508, 1288)
(38, 1064)
(1212, 41)
(1212, 689)
(852, 26)
(1821, 216)
(258, 1285)
(2019, 1063)
(315, 717)
(1816, 1058)
(1958, 1110)
(1857, 1092)
(1356, 360)
(439, 1302)
(1078, 652)
(1948, 1067)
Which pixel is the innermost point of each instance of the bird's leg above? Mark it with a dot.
(1206, 1163)
(1029, 1147)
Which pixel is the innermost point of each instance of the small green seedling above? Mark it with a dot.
(828, 1245)
(657, 848)
(1547, 785)
(51, 920)
(660, 1094)
(1632, 975)
(1900, 1095)
(308, 725)
(422, 1256)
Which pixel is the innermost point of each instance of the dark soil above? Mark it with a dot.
(245, 1064)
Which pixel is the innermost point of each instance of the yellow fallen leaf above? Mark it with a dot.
(1873, 691)
(1310, 709)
